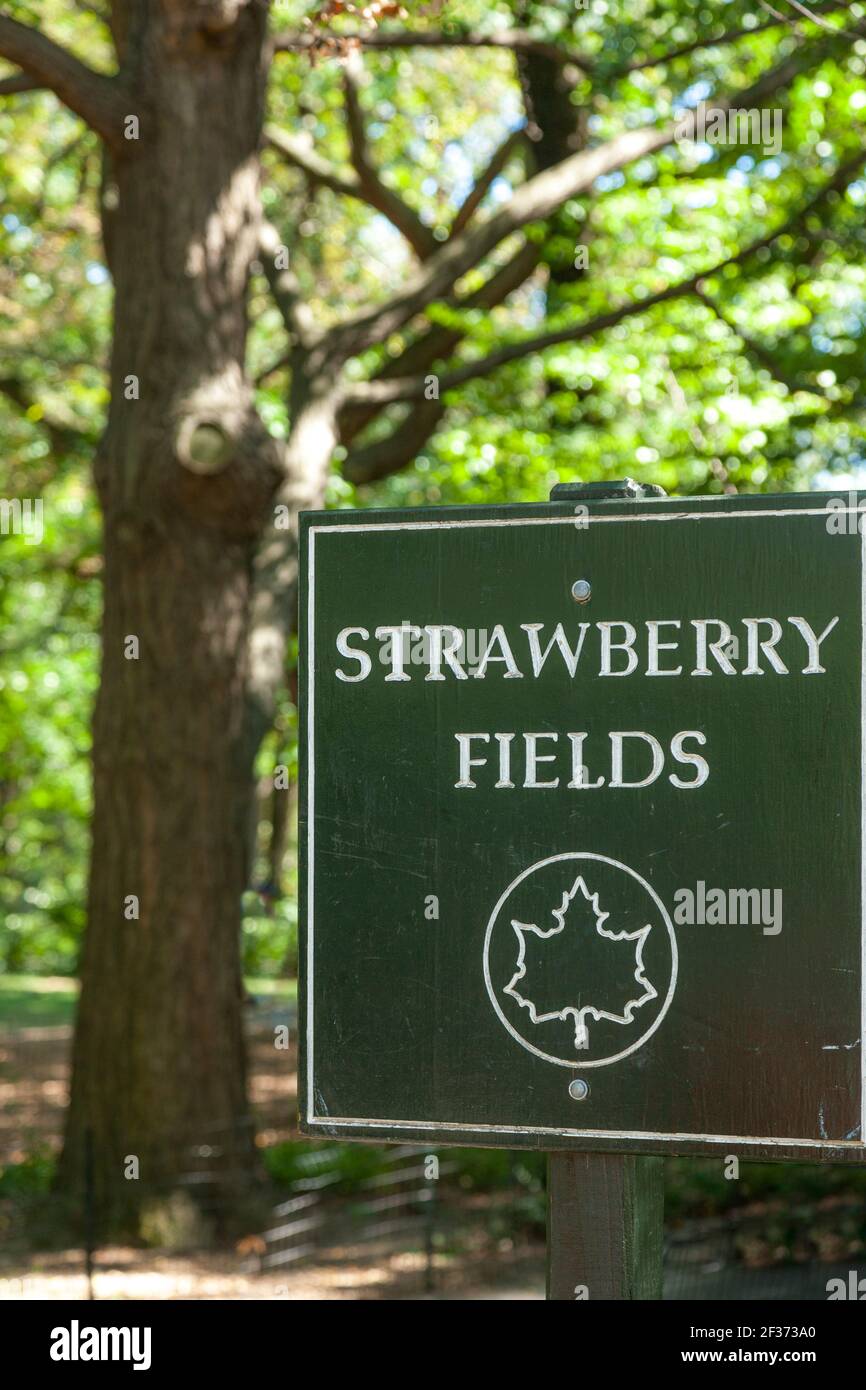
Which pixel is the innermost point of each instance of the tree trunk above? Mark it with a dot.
(186, 474)
(558, 129)
(313, 408)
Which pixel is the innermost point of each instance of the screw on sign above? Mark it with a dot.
(661, 698)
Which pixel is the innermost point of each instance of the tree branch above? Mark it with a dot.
(318, 170)
(762, 355)
(718, 41)
(371, 187)
(514, 40)
(519, 41)
(813, 14)
(482, 184)
(382, 392)
(97, 99)
(63, 431)
(19, 82)
(350, 184)
(372, 462)
(733, 36)
(412, 388)
(284, 287)
(438, 341)
(534, 201)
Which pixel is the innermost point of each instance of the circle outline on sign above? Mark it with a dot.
(579, 1064)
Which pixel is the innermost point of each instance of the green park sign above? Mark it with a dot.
(582, 826)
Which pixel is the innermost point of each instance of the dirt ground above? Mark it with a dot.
(34, 1087)
(124, 1273)
(34, 1082)
(34, 1065)
(34, 1078)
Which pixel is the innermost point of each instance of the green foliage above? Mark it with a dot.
(348, 1164)
(48, 672)
(270, 936)
(49, 1001)
(755, 385)
(32, 1177)
(698, 1187)
(36, 1001)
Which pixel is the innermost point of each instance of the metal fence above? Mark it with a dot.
(398, 1222)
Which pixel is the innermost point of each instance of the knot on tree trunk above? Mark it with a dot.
(204, 446)
(230, 466)
(204, 16)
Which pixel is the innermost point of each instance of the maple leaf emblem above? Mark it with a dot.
(572, 980)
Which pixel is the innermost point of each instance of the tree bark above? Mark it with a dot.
(185, 474)
(558, 129)
(314, 403)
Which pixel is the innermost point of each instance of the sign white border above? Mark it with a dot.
(469, 1128)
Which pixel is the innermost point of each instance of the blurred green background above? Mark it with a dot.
(752, 383)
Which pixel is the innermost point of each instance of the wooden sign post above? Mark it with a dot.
(582, 828)
(604, 1226)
